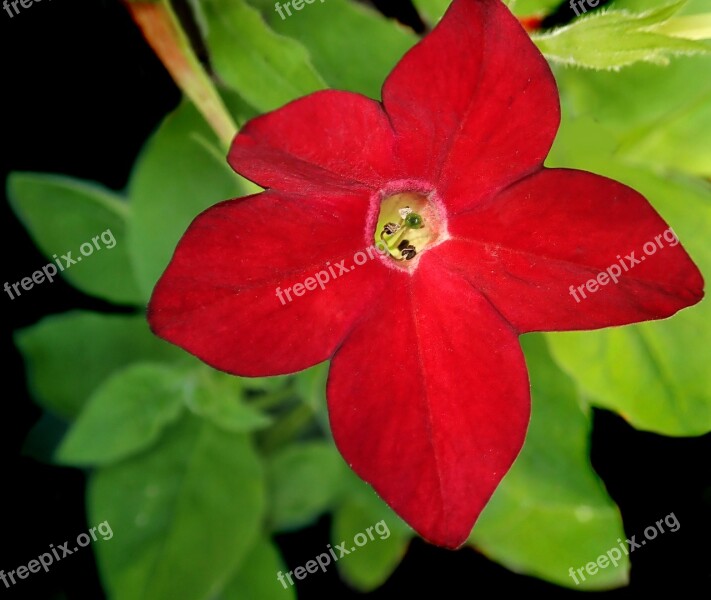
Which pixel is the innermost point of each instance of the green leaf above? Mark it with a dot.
(637, 97)
(84, 221)
(304, 481)
(256, 579)
(237, 106)
(693, 21)
(220, 398)
(185, 514)
(130, 411)
(431, 10)
(360, 513)
(690, 7)
(551, 511)
(266, 69)
(654, 374)
(125, 415)
(659, 117)
(180, 173)
(336, 29)
(679, 142)
(68, 356)
(616, 38)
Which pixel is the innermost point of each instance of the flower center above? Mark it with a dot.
(407, 224)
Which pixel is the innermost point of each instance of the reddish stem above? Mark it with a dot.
(164, 33)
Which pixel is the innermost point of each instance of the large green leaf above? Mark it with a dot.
(617, 38)
(185, 514)
(83, 221)
(304, 481)
(180, 173)
(680, 142)
(654, 374)
(336, 29)
(256, 578)
(67, 356)
(551, 512)
(266, 69)
(375, 536)
(659, 116)
(125, 415)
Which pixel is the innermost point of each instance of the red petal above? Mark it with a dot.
(559, 228)
(218, 297)
(329, 139)
(437, 414)
(474, 105)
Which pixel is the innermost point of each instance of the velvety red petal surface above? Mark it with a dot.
(559, 228)
(474, 105)
(329, 139)
(217, 299)
(429, 401)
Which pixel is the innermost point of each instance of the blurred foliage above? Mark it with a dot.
(654, 374)
(165, 195)
(616, 38)
(551, 511)
(266, 69)
(195, 470)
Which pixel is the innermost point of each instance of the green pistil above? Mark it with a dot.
(414, 221)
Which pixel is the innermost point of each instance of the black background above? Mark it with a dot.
(81, 92)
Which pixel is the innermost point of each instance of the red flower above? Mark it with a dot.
(428, 392)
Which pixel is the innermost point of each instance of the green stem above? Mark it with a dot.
(163, 31)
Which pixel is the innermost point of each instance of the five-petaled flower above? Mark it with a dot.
(428, 392)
